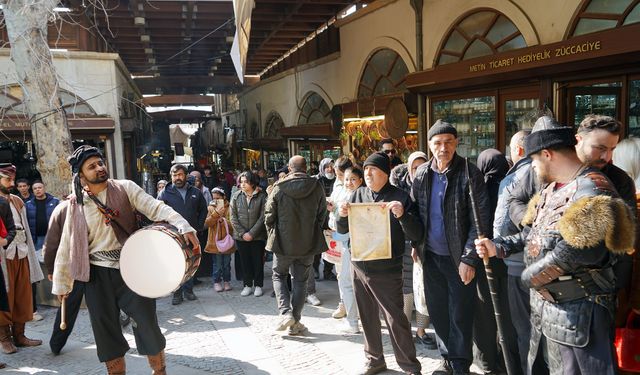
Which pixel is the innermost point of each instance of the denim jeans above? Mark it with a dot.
(221, 267)
(345, 285)
(451, 307)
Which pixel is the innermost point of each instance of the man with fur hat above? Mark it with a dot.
(575, 227)
(98, 218)
(378, 283)
(21, 268)
(441, 189)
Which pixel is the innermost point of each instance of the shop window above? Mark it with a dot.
(384, 74)
(474, 119)
(314, 111)
(634, 108)
(273, 125)
(599, 15)
(480, 34)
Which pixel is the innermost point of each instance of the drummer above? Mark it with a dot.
(98, 219)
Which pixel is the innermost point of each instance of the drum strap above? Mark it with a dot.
(109, 214)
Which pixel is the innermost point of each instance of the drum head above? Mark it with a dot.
(152, 263)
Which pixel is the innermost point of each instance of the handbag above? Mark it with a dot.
(627, 343)
(334, 248)
(419, 298)
(227, 242)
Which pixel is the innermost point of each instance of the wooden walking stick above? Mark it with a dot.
(63, 308)
(493, 289)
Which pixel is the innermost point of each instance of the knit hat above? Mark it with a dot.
(441, 127)
(7, 170)
(76, 160)
(548, 133)
(379, 160)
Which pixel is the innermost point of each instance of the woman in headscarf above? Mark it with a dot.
(326, 175)
(494, 166)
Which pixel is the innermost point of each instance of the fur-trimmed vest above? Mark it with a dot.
(577, 232)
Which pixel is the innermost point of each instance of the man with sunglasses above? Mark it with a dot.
(388, 147)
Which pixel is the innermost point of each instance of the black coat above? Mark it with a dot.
(459, 226)
(193, 208)
(408, 224)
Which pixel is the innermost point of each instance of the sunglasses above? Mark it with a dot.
(389, 152)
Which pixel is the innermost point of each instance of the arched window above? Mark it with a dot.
(314, 111)
(598, 15)
(384, 73)
(480, 34)
(11, 102)
(274, 123)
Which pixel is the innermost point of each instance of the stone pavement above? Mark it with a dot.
(220, 333)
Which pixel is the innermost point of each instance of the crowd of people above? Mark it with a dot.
(553, 224)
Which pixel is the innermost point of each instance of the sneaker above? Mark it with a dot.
(227, 286)
(188, 294)
(37, 317)
(427, 340)
(349, 328)
(444, 368)
(286, 321)
(297, 329)
(313, 300)
(370, 369)
(217, 287)
(340, 312)
(245, 291)
(177, 298)
(258, 291)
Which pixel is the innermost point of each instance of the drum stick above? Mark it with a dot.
(63, 308)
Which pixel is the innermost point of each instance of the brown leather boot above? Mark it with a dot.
(116, 366)
(20, 339)
(157, 363)
(6, 341)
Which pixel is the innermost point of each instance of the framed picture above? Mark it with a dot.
(370, 231)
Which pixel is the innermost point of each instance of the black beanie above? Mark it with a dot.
(379, 160)
(547, 133)
(441, 127)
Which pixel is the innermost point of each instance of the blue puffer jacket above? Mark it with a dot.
(50, 202)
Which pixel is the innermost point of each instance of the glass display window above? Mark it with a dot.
(474, 119)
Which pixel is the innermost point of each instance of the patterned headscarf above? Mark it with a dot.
(76, 160)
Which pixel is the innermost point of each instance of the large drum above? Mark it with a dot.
(156, 260)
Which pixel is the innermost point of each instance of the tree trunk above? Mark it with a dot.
(26, 22)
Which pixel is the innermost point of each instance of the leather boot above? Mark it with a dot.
(116, 366)
(6, 341)
(20, 339)
(157, 363)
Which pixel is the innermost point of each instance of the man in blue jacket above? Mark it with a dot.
(39, 209)
(189, 202)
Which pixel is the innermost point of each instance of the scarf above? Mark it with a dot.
(72, 258)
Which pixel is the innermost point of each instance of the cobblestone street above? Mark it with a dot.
(220, 333)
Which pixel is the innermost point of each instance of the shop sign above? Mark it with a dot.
(604, 45)
(21, 124)
(546, 54)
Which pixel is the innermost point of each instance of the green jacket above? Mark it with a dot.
(294, 216)
(248, 217)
